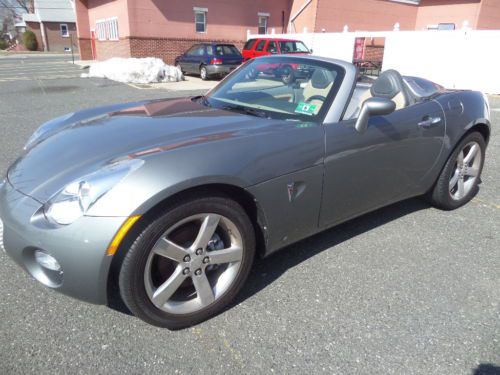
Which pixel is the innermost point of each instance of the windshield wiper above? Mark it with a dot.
(246, 110)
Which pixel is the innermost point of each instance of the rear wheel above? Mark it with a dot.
(203, 72)
(188, 264)
(459, 179)
(286, 75)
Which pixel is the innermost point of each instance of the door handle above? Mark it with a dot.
(428, 121)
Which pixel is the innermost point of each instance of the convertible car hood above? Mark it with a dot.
(75, 145)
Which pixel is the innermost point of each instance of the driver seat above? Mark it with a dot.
(320, 84)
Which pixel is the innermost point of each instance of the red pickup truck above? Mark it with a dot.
(270, 46)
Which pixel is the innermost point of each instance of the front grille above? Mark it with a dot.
(1, 235)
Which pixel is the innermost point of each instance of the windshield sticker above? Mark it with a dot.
(306, 108)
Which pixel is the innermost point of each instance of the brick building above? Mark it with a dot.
(166, 28)
(54, 24)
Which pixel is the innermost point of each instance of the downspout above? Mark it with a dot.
(302, 8)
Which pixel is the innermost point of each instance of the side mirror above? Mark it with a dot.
(373, 107)
(311, 51)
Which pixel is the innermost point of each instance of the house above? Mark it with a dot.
(166, 28)
(54, 24)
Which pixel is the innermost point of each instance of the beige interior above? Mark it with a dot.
(310, 91)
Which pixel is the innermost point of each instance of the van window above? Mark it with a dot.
(260, 46)
(249, 44)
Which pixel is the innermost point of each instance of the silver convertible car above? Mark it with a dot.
(166, 203)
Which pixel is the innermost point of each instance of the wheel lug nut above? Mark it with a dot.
(187, 258)
(206, 260)
(197, 272)
(199, 251)
(185, 271)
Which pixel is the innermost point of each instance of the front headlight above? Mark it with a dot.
(78, 197)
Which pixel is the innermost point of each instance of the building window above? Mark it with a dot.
(112, 26)
(263, 20)
(200, 19)
(64, 30)
(100, 27)
(107, 29)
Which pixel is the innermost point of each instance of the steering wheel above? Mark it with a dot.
(316, 97)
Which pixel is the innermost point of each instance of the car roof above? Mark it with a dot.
(214, 43)
(345, 64)
(279, 39)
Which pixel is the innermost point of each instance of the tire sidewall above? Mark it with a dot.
(442, 192)
(204, 76)
(131, 278)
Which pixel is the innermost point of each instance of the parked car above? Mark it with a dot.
(209, 59)
(271, 46)
(167, 202)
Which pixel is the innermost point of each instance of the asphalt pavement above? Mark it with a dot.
(407, 289)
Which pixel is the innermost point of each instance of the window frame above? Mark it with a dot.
(100, 29)
(112, 29)
(61, 30)
(262, 16)
(275, 46)
(107, 29)
(263, 45)
(204, 12)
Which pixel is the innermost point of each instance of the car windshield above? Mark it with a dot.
(291, 46)
(279, 88)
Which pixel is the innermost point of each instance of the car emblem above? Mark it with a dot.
(291, 190)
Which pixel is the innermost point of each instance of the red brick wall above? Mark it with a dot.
(168, 49)
(164, 48)
(85, 48)
(107, 49)
(56, 42)
(374, 53)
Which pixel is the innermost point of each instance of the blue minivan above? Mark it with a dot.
(209, 59)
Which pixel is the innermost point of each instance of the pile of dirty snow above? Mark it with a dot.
(132, 70)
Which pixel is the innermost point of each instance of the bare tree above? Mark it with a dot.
(18, 6)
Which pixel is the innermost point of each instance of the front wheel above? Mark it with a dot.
(189, 263)
(458, 182)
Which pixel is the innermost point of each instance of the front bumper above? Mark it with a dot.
(80, 248)
(220, 69)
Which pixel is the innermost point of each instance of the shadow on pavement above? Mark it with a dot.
(266, 271)
(487, 369)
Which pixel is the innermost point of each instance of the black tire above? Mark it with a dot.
(131, 277)
(287, 75)
(440, 195)
(203, 73)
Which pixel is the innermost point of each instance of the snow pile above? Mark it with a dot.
(132, 70)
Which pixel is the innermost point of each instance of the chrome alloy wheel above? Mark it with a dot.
(466, 170)
(193, 263)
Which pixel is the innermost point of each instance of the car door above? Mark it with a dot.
(187, 59)
(384, 164)
(260, 48)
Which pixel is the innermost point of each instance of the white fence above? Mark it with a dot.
(455, 59)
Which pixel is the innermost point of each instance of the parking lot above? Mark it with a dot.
(407, 289)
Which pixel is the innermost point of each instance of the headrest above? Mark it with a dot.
(388, 85)
(321, 78)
